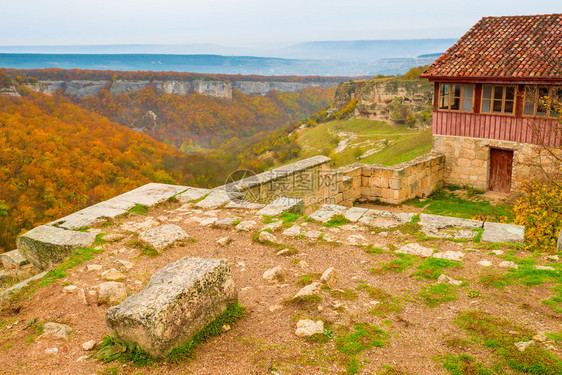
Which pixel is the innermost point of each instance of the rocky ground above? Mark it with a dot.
(386, 299)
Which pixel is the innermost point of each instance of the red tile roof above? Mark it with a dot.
(505, 47)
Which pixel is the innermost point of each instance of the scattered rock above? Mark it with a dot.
(284, 252)
(282, 204)
(485, 263)
(522, 345)
(113, 237)
(163, 236)
(326, 213)
(540, 337)
(499, 232)
(546, 268)
(497, 252)
(111, 292)
(61, 331)
(246, 225)
(355, 213)
(448, 280)
(225, 223)
(112, 275)
(293, 231)
(308, 290)
(273, 226)
(307, 327)
(69, 289)
(553, 258)
(267, 237)
(136, 227)
(207, 222)
(508, 264)
(274, 308)
(125, 263)
(303, 264)
(93, 267)
(450, 255)
(415, 249)
(89, 345)
(275, 275)
(51, 350)
(224, 241)
(357, 239)
(226, 328)
(178, 302)
(313, 234)
(329, 277)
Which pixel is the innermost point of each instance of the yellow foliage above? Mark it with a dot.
(540, 211)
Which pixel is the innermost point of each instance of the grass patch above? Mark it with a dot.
(464, 365)
(373, 250)
(289, 218)
(555, 302)
(442, 202)
(308, 278)
(304, 302)
(145, 249)
(432, 268)
(113, 348)
(139, 209)
(361, 337)
(347, 295)
(397, 265)
(337, 221)
(501, 335)
(495, 279)
(76, 258)
(435, 295)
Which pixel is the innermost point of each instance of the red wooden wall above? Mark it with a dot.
(508, 128)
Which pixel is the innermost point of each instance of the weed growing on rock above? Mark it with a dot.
(336, 221)
(139, 209)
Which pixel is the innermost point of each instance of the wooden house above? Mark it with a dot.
(497, 96)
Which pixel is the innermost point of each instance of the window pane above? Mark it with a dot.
(529, 108)
(543, 91)
(508, 107)
(467, 105)
(486, 106)
(457, 90)
(497, 107)
(510, 93)
(498, 92)
(456, 104)
(444, 102)
(468, 90)
(444, 89)
(487, 92)
(541, 110)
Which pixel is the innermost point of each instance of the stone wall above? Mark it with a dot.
(395, 184)
(467, 160)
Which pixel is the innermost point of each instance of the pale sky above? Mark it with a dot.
(245, 22)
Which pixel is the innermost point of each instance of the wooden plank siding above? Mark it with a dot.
(507, 128)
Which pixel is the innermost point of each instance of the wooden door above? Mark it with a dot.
(501, 164)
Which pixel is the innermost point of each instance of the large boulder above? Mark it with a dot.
(179, 301)
(46, 245)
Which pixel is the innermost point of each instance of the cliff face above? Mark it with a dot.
(9, 91)
(218, 89)
(384, 99)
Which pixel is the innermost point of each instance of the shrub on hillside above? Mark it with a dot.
(539, 209)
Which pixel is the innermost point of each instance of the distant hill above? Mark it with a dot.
(326, 58)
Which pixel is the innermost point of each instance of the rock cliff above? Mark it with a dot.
(384, 99)
(215, 88)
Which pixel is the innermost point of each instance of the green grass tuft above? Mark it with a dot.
(432, 268)
(435, 295)
(336, 221)
(139, 209)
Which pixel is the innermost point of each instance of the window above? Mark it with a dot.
(453, 97)
(543, 101)
(498, 99)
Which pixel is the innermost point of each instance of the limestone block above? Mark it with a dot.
(499, 232)
(282, 204)
(179, 301)
(192, 194)
(46, 245)
(13, 259)
(163, 236)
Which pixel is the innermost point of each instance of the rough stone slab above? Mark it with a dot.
(14, 288)
(163, 236)
(217, 198)
(442, 222)
(150, 194)
(46, 245)
(238, 203)
(450, 255)
(559, 248)
(179, 301)
(416, 249)
(355, 213)
(192, 194)
(498, 232)
(326, 213)
(12, 259)
(281, 205)
(384, 219)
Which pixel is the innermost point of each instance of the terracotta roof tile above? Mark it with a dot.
(514, 46)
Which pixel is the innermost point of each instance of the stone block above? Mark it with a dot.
(499, 232)
(46, 245)
(163, 236)
(179, 301)
(13, 259)
(283, 204)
